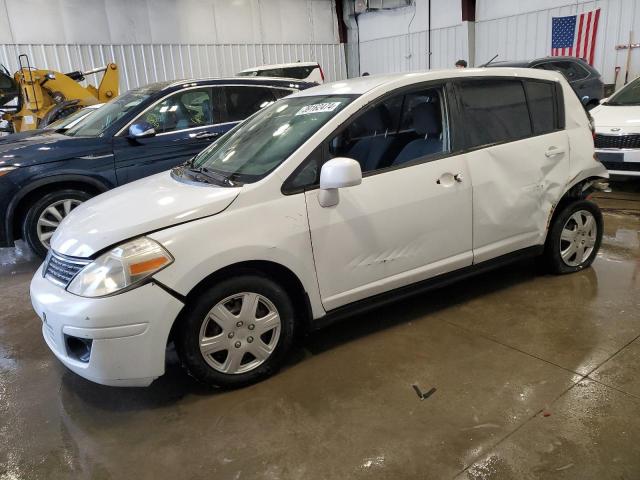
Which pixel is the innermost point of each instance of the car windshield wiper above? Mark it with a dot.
(203, 172)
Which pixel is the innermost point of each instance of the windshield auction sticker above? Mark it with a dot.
(318, 108)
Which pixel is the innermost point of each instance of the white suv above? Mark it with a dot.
(330, 200)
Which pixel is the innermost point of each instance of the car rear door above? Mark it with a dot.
(517, 158)
(410, 219)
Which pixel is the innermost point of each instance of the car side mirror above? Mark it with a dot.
(142, 130)
(340, 172)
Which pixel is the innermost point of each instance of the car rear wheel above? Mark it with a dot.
(236, 332)
(574, 238)
(44, 216)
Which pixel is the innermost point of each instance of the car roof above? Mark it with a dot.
(281, 65)
(362, 85)
(525, 63)
(269, 81)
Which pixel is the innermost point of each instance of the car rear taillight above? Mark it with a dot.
(321, 72)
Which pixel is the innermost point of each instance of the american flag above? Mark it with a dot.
(575, 35)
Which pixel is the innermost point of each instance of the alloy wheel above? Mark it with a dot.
(578, 238)
(51, 217)
(240, 333)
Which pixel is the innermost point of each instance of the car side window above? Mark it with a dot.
(400, 129)
(542, 105)
(185, 109)
(572, 71)
(494, 111)
(281, 92)
(307, 174)
(244, 101)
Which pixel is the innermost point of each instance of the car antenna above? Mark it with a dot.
(485, 64)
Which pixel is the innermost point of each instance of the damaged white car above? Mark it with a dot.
(329, 201)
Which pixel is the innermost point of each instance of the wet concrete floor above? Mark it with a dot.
(536, 376)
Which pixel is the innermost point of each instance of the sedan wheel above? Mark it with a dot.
(51, 217)
(240, 333)
(44, 214)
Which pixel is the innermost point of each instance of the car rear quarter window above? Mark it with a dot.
(288, 72)
(572, 71)
(244, 101)
(542, 105)
(493, 111)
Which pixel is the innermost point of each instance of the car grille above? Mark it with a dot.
(61, 270)
(617, 141)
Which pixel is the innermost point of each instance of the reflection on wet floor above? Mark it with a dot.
(536, 376)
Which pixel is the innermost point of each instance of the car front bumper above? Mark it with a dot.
(620, 161)
(127, 332)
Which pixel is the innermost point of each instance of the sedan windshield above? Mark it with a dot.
(70, 120)
(95, 124)
(261, 143)
(629, 95)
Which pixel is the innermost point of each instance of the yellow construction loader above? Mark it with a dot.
(44, 96)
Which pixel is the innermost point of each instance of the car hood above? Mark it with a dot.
(140, 207)
(42, 147)
(627, 119)
(12, 137)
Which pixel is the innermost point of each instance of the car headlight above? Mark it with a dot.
(122, 267)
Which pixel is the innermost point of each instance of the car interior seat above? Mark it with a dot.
(426, 122)
(370, 150)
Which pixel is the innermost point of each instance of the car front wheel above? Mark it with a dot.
(45, 214)
(236, 332)
(574, 238)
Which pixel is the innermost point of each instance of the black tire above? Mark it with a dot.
(30, 223)
(187, 339)
(552, 254)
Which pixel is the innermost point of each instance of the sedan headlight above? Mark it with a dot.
(121, 268)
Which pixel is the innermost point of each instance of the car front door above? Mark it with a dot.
(410, 219)
(185, 123)
(517, 160)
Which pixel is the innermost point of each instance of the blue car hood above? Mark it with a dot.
(45, 147)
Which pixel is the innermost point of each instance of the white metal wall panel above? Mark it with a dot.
(144, 63)
(404, 53)
(527, 35)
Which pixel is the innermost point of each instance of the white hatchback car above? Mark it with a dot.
(331, 200)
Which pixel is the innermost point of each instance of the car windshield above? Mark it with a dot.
(64, 122)
(261, 143)
(629, 95)
(96, 124)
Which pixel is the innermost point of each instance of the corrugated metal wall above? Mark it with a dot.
(403, 53)
(140, 64)
(528, 35)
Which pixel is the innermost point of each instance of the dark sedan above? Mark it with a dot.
(142, 132)
(583, 78)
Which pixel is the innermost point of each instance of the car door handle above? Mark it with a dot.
(447, 179)
(206, 135)
(553, 151)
